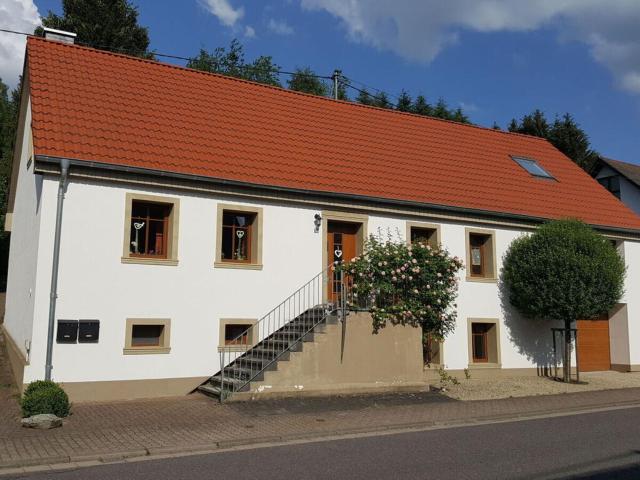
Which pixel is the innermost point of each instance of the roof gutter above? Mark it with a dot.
(53, 295)
(473, 212)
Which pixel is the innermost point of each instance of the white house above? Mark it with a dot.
(188, 205)
(622, 179)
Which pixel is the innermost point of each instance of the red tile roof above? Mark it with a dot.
(103, 107)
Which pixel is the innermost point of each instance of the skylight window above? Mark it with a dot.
(532, 167)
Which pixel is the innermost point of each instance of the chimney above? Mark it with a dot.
(59, 35)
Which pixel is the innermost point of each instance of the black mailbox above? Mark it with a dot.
(67, 331)
(89, 331)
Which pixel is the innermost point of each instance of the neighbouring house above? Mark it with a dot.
(165, 221)
(622, 179)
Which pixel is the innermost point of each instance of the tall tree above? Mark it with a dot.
(565, 134)
(422, 107)
(305, 80)
(441, 110)
(105, 24)
(9, 109)
(570, 139)
(381, 100)
(458, 116)
(364, 97)
(404, 102)
(232, 62)
(534, 124)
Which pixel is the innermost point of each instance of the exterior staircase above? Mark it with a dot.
(283, 330)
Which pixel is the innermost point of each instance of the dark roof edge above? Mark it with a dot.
(436, 208)
(611, 163)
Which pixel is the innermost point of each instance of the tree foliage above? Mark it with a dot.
(565, 134)
(9, 110)
(406, 284)
(104, 24)
(232, 62)
(305, 80)
(563, 271)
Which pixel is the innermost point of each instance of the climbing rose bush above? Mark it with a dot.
(406, 284)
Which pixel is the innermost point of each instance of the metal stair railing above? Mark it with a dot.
(250, 353)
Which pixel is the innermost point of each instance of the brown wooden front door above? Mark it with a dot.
(342, 241)
(593, 345)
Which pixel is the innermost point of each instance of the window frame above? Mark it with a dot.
(171, 236)
(608, 179)
(434, 239)
(255, 262)
(251, 341)
(250, 229)
(494, 354)
(523, 161)
(489, 258)
(165, 341)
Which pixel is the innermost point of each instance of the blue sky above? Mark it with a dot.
(497, 62)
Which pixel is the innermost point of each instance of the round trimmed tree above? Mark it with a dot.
(564, 271)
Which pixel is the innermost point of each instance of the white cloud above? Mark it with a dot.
(249, 32)
(420, 29)
(280, 27)
(21, 16)
(222, 9)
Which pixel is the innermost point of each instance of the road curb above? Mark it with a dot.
(64, 462)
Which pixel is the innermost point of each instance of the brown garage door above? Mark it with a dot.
(593, 345)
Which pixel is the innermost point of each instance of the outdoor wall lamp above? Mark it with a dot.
(317, 221)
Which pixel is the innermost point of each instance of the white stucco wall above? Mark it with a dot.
(631, 298)
(25, 229)
(94, 283)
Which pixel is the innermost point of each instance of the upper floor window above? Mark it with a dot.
(533, 167)
(480, 255)
(611, 183)
(151, 230)
(423, 233)
(239, 237)
(237, 233)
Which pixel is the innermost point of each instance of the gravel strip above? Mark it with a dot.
(488, 389)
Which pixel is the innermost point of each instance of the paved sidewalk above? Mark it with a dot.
(116, 430)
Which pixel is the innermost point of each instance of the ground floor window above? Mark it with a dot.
(237, 334)
(484, 342)
(144, 335)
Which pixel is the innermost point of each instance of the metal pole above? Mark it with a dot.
(53, 296)
(336, 76)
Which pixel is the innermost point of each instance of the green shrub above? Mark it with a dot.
(44, 397)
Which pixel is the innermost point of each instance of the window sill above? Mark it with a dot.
(150, 261)
(485, 365)
(432, 366)
(240, 266)
(482, 279)
(145, 350)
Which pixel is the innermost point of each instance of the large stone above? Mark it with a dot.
(43, 421)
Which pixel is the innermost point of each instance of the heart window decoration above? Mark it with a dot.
(240, 233)
(137, 225)
(337, 253)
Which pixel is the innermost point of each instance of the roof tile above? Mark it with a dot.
(103, 107)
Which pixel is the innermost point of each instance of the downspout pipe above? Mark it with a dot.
(53, 296)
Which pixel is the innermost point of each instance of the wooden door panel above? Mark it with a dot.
(593, 345)
(341, 246)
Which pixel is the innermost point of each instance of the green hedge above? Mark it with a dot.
(44, 397)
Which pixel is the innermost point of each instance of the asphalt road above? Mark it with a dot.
(599, 445)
